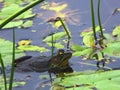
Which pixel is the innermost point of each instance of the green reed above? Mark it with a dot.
(100, 40)
(99, 19)
(65, 27)
(93, 20)
(3, 70)
(66, 30)
(13, 64)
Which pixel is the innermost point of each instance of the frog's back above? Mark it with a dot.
(38, 64)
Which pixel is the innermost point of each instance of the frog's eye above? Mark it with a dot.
(61, 51)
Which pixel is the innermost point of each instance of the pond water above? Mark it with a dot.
(35, 80)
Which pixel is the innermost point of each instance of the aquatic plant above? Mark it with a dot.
(13, 48)
(19, 12)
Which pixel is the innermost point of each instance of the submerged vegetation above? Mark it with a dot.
(97, 45)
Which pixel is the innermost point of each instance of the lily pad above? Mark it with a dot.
(84, 52)
(32, 48)
(108, 80)
(116, 30)
(88, 40)
(89, 31)
(76, 47)
(112, 49)
(6, 51)
(56, 24)
(14, 83)
(13, 24)
(56, 36)
(56, 45)
(11, 9)
(1, 1)
(27, 24)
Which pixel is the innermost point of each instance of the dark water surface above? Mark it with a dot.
(107, 8)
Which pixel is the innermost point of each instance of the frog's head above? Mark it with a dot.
(65, 55)
(61, 59)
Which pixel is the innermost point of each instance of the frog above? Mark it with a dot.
(43, 63)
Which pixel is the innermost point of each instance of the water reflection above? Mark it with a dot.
(60, 9)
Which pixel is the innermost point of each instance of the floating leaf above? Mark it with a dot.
(21, 83)
(32, 48)
(1, 1)
(116, 30)
(56, 36)
(56, 24)
(9, 10)
(12, 8)
(8, 2)
(88, 40)
(6, 51)
(108, 38)
(89, 31)
(56, 45)
(85, 52)
(108, 80)
(27, 24)
(78, 47)
(33, 30)
(13, 24)
(112, 49)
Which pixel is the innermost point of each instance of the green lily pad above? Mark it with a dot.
(56, 24)
(27, 24)
(6, 51)
(11, 9)
(15, 84)
(8, 2)
(13, 24)
(56, 45)
(32, 48)
(56, 36)
(116, 30)
(84, 52)
(89, 31)
(108, 80)
(112, 49)
(17, 22)
(1, 1)
(88, 40)
(76, 47)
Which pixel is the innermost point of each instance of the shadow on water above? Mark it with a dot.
(41, 81)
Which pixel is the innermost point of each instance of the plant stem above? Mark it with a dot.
(65, 28)
(93, 20)
(99, 20)
(52, 41)
(19, 12)
(4, 73)
(12, 65)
